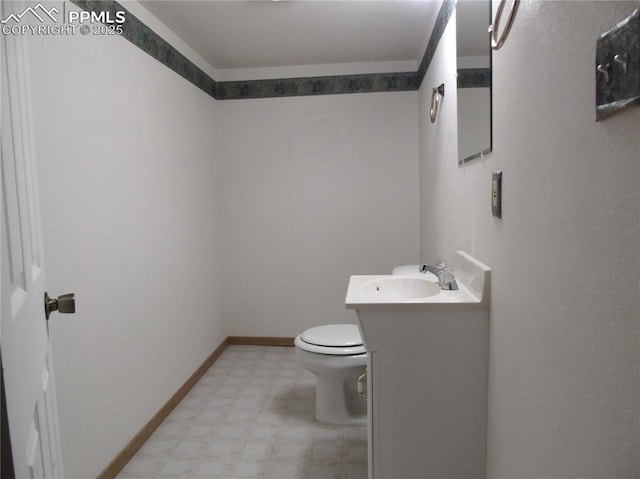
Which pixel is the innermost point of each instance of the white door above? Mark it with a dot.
(24, 338)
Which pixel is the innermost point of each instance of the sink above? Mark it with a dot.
(427, 370)
(422, 292)
(401, 288)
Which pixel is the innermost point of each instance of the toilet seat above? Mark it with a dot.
(332, 339)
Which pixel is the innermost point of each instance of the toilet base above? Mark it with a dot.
(337, 399)
(338, 402)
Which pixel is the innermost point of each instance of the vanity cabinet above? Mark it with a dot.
(427, 371)
(427, 393)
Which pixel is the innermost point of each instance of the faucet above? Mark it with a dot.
(446, 279)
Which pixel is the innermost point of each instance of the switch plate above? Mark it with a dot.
(496, 194)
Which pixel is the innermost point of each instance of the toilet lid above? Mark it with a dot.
(333, 335)
(332, 340)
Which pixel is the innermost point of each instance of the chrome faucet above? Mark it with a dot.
(446, 279)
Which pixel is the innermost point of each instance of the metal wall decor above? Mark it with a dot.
(498, 41)
(618, 67)
(436, 95)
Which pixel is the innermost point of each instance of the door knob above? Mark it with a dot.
(64, 304)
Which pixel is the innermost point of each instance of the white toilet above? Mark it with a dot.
(335, 354)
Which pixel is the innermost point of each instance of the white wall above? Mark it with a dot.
(314, 189)
(127, 165)
(145, 179)
(564, 365)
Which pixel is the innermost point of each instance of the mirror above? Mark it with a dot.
(473, 18)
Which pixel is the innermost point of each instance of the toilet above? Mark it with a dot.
(335, 354)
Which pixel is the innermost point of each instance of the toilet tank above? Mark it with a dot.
(406, 270)
(412, 270)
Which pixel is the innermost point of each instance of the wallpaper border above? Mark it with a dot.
(153, 44)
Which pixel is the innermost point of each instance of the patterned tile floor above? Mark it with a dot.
(251, 415)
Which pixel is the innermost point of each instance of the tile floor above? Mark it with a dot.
(251, 415)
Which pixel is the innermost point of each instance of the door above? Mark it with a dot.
(24, 338)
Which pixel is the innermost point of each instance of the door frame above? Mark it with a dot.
(6, 458)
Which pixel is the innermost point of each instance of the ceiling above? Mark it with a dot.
(236, 34)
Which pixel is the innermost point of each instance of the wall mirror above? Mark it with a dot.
(473, 18)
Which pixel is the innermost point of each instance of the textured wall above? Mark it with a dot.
(145, 179)
(564, 360)
(314, 189)
(127, 166)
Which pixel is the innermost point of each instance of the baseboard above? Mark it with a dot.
(260, 341)
(121, 460)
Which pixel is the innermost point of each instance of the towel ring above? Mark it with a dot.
(435, 102)
(497, 42)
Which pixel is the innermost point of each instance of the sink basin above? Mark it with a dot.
(400, 287)
(405, 291)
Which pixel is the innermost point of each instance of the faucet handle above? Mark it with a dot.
(446, 278)
(445, 274)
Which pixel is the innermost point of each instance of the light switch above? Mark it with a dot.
(496, 194)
